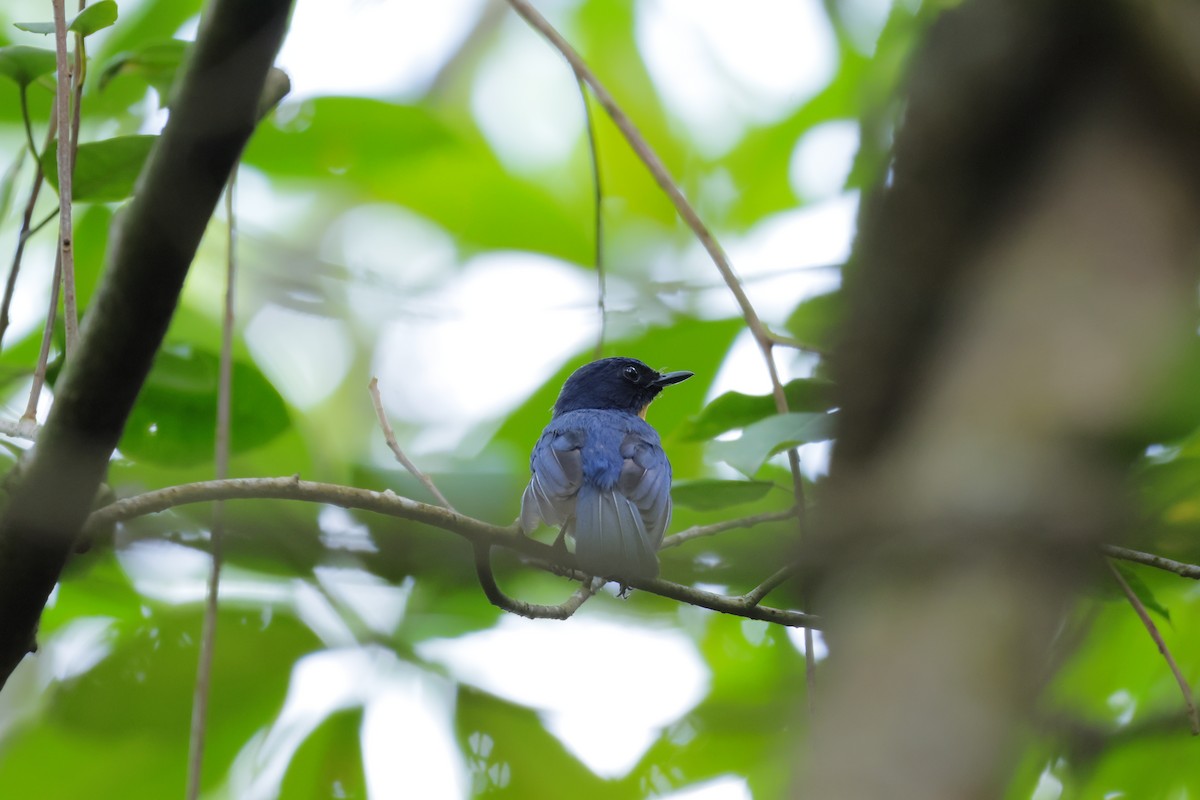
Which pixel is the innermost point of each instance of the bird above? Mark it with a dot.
(599, 471)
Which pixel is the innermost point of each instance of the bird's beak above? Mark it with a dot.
(672, 377)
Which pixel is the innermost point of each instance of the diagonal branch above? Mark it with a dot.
(1184, 687)
(389, 436)
(156, 238)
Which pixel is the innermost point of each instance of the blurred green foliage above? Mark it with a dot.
(110, 695)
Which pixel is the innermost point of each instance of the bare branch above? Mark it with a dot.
(1184, 687)
(390, 436)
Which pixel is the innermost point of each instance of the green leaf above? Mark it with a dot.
(175, 416)
(25, 64)
(767, 437)
(95, 17)
(814, 321)
(736, 410)
(105, 171)
(712, 494)
(156, 63)
(43, 28)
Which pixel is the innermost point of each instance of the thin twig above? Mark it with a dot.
(208, 636)
(390, 436)
(39, 371)
(62, 99)
(26, 229)
(487, 581)
(391, 504)
(598, 214)
(46, 220)
(758, 593)
(28, 124)
(697, 531)
(1152, 629)
(1150, 560)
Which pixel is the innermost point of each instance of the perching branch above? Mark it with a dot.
(387, 502)
(212, 116)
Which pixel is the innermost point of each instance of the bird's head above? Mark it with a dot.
(621, 384)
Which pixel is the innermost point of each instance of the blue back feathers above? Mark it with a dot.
(600, 472)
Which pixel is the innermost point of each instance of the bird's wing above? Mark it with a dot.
(557, 467)
(646, 481)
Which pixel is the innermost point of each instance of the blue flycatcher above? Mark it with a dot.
(599, 470)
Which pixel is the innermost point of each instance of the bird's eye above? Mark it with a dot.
(632, 375)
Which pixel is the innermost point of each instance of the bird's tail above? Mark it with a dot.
(610, 537)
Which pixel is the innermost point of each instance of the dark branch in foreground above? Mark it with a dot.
(151, 249)
(473, 530)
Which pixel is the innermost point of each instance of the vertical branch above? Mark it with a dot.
(66, 246)
(598, 211)
(208, 637)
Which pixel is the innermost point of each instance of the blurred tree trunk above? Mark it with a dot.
(1023, 288)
